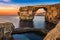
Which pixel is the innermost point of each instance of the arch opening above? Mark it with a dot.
(40, 11)
(39, 14)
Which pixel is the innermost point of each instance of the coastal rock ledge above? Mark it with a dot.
(6, 30)
(54, 34)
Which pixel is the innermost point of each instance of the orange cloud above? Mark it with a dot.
(9, 10)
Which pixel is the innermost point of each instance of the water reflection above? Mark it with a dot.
(38, 22)
(23, 24)
(31, 36)
(27, 36)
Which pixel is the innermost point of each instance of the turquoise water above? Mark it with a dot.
(27, 36)
(38, 22)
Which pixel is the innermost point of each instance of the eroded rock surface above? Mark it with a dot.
(52, 13)
(54, 33)
(6, 30)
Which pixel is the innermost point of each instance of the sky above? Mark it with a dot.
(11, 7)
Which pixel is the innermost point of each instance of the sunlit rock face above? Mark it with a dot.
(52, 12)
(25, 13)
(6, 30)
(54, 33)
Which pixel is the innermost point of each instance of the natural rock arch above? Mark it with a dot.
(40, 9)
(51, 15)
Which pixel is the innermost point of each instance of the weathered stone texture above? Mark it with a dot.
(54, 33)
(25, 13)
(6, 30)
(52, 12)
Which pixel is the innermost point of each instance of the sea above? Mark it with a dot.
(38, 22)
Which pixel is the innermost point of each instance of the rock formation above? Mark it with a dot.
(6, 30)
(25, 13)
(52, 12)
(54, 34)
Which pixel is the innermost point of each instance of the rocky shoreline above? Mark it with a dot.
(7, 30)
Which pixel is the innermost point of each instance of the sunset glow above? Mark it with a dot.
(8, 10)
(10, 7)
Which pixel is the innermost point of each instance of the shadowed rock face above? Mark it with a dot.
(6, 30)
(54, 34)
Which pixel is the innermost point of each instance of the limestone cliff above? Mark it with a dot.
(54, 33)
(52, 12)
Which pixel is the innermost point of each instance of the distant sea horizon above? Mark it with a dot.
(8, 15)
(15, 20)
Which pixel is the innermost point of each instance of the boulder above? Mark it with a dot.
(6, 30)
(54, 34)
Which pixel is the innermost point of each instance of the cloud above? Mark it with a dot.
(9, 9)
(7, 4)
(5, 0)
(12, 4)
